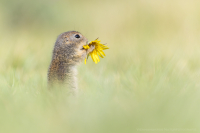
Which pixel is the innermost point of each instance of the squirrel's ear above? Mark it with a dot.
(66, 38)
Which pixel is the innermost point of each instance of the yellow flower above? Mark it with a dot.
(98, 50)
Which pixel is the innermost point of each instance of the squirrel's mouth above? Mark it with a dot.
(84, 45)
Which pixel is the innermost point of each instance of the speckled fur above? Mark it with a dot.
(68, 52)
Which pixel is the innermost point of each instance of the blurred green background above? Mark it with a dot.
(149, 80)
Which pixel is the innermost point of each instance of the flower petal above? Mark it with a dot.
(98, 50)
(86, 47)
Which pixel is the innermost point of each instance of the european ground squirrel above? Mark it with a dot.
(68, 52)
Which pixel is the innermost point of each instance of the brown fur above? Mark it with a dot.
(68, 52)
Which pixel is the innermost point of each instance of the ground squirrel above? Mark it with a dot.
(67, 53)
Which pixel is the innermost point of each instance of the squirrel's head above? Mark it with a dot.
(69, 46)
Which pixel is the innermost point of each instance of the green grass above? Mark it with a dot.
(149, 80)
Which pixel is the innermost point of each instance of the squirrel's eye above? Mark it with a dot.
(77, 36)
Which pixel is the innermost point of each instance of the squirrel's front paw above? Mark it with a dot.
(92, 47)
